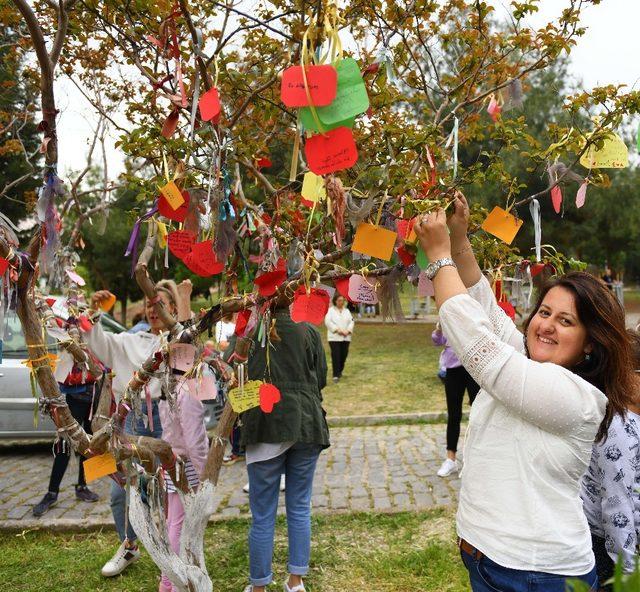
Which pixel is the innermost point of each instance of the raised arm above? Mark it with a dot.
(461, 252)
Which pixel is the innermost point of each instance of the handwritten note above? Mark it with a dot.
(247, 397)
(181, 356)
(351, 97)
(502, 225)
(311, 307)
(321, 81)
(180, 242)
(374, 241)
(172, 194)
(613, 154)
(99, 466)
(334, 151)
(362, 290)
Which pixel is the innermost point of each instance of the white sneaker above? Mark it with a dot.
(298, 588)
(448, 467)
(120, 561)
(282, 483)
(246, 490)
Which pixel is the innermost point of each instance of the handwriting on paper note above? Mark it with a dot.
(322, 83)
(180, 242)
(612, 155)
(374, 241)
(362, 289)
(99, 466)
(177, 215)
(248, 397)
(182, 356)
(172, 194)
(309, 307)
(334, 151)
(502, 225)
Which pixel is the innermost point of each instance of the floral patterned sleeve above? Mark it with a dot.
(618, 458)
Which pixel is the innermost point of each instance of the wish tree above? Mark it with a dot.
(286, 148)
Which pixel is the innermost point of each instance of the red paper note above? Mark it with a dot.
(202, 260)
(322, 82)
(269, 282)
(3, 265)
(556, 198)
(311, 307)
(269, 396)
(242, 320)
(180, 242)
(170, 124)
(178, 215)
(209, 105)
(263, 163)
(334, 151)
(342, 286)
(405, 256)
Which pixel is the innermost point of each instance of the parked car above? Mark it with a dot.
(18, 408)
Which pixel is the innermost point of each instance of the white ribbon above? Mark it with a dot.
(453, 137)
(534, 208)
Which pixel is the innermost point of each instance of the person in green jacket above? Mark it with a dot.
(286, 441)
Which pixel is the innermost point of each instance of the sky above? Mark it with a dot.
(607, 53)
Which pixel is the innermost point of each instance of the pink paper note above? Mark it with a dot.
(205, 388)
(74, 277)
(425, 286)
(181, 356)
(581, 196)
(362, 290)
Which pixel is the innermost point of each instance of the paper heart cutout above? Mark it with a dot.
(179, 215)
(180, 242)
(209, 105)
(269, 395)
(309, 307)
(342, 285)
(269, 282)
(202, 260)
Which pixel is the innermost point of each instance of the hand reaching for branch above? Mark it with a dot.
(434, 237)
(458, 223)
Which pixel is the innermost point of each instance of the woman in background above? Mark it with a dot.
(339, 324)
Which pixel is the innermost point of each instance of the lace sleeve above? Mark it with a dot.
(501, 324)
(547, 395)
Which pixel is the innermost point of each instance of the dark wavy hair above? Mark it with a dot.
(610, 366)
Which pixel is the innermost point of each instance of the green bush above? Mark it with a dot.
(621, 582)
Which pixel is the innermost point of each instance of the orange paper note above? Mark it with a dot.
(502, 224)
(107, 304)
(172, 194)
(374, 241)
(99, 466)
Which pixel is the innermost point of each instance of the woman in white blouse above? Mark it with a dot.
(339, 324)
(541, 403)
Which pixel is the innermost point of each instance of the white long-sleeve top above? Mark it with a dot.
(338, 319)
(124, 353)
(611, 489)
(529, 440)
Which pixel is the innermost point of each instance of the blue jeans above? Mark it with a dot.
(487, 576)
(118, 494)
(299, 465)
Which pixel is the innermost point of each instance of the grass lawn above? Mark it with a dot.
(390, 369)
(383, 553)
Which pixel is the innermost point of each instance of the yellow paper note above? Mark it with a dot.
(313, 187)
(613, 154)
(248, 398)
(172, 194)
(502, 224)
(374, 241)
(99, 466)
(162, 234)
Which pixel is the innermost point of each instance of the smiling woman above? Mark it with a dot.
(541, 403)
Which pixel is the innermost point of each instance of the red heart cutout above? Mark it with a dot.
(4, 263)
(311, 307)
(209, 105)
(269, 396)
(202, 260)
(180, 242)
(179, 215)
(322, 82)
(269, 282)
(334, 151)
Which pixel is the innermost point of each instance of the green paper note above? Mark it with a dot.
(421, 259)
(309, 123)
(351, 99)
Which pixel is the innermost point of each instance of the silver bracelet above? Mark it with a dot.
(436, 266)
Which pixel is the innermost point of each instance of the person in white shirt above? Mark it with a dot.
(520, 521)
(125, 353)
(339, 324)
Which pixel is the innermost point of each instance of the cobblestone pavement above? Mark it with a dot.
(373, 468)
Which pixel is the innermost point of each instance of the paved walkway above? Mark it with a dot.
(382, 468)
